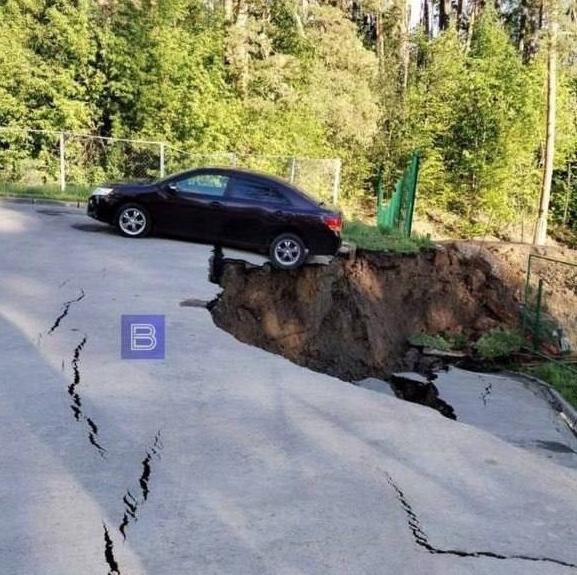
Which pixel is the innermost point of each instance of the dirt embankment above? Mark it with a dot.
(352, 318)
(559, 279)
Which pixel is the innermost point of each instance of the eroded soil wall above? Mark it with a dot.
(352, 318)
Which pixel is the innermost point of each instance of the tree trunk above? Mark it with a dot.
(530, 26)
(228, 10)
(379, 37)
(427, 19)
(471, 25)
(541, 226)
(523, 26)
(460, 13)
(405, 49)
(444, 14)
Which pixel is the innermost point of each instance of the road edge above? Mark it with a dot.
(42, 201)
(567, 412)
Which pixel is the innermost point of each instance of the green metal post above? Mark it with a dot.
(62, 161)
(415, 162)
(525, 310)
(379, 186)
(537, 326)
(161, 168)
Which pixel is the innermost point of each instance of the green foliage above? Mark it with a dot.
(273, 80)
(442, 342)
(371, 238)
(287, 78)
(457, 341)
(431, 341)
(560, 376)
(45, 54)
(476, 116)
(499, 343)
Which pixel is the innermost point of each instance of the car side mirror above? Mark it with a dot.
(172, 188)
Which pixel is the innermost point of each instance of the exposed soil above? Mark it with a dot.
(352, 318)
(560, 280)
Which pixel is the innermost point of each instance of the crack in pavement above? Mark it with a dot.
(423, 541)
(131, 503)
(76, 405)
(486, 393)
(131, 507)
(65, 308)
(109, 553)
(79, 416)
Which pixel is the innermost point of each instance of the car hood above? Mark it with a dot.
(130, 187)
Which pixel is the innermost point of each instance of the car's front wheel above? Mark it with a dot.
(133, 221)
(287, 252)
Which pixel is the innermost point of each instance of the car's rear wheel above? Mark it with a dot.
(133, 221)
(287, 252)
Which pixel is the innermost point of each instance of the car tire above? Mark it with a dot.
(287, 252)
(133, 221)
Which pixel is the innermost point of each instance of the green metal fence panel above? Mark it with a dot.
(395, 214)
(546, 321)
(550, 326)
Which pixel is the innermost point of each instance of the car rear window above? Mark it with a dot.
(248, 190)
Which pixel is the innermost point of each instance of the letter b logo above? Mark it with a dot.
(142, 337)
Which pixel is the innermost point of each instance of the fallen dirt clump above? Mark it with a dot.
(423, 391)
(352, 318)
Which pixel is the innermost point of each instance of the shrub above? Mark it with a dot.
(499, 343)
(432, 341)
(560, 376)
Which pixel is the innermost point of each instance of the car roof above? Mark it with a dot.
(224, 170)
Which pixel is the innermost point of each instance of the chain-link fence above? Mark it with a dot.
(67, 165)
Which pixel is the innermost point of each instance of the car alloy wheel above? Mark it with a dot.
(132, 221)
(288, 252)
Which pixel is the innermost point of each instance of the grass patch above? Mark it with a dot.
(432, 341)
(371, 238)
(560, 376)
(442, 342)
(499, 343)
(72, 193)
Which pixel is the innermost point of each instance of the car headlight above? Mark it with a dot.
(102, 191)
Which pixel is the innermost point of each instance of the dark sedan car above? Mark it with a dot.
(229, 207)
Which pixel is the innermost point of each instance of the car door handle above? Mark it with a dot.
(215, 205)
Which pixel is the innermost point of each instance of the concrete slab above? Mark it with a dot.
(377, 385)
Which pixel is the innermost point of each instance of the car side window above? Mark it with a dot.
(248, 190)
(203, 184)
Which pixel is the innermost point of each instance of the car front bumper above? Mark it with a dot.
(101, 208)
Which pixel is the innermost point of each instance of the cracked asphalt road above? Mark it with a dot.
(511, 408)
(223, 458)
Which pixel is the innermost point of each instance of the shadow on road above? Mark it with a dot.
(98, 228)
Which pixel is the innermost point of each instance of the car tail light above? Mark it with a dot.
(334, 222)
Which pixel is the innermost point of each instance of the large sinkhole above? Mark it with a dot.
(351, 318)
